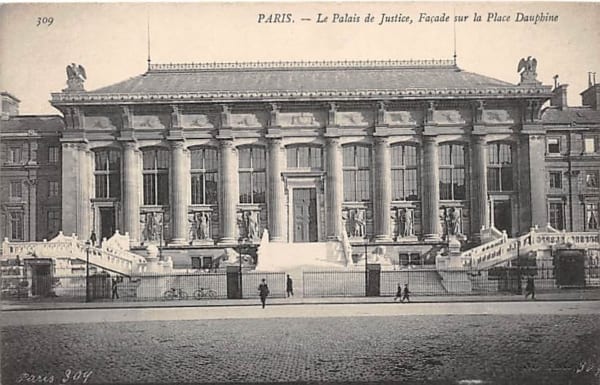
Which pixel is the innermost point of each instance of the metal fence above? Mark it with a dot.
(147, 287)
(430, 282)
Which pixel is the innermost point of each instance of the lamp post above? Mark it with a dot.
(366, 269)
(162, 234)
(87, 271)
(240, 244)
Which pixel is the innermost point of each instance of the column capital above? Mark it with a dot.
(226, 143)
(333, 140)
(132, 145)
(382, 140)
(177, 144)
(430, 139)
(479, 139)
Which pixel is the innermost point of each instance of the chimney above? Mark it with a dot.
(10, 105)
(591, 96)
(559, 96)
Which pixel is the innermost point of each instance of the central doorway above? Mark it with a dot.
(107, 222)
(305, 214)
(503, 217)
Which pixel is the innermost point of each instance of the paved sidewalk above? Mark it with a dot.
(562, 295)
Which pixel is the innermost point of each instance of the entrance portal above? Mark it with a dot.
(305, 214)
(107, 222)
(502, 216)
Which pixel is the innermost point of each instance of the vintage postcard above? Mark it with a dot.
(300, 192)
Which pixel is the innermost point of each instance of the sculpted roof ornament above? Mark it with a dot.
(284, 65)
(75, 78)
(526, 69)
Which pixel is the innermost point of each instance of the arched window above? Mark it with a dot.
(304, 157)
(357, 173)
(204, 170)
(452, 172)
(404, 173)
(252, 174)
(156, 177)
(499, 167)
(107, 173)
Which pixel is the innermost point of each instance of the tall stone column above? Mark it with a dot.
(131, 192)
(179, 201)
(479, 200)
(334, 188)
(228, 174)
(431, 190)
(276, 205)
(32, 191)
(383, 189)
(77, 170)
(537, 178)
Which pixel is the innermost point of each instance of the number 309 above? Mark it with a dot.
(45, 21)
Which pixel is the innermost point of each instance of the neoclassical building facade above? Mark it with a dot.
(389, 152)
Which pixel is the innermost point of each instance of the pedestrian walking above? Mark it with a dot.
(530, 288)
(93, 238)
(263, 292)
(115, 290)
(398, 293)
(405, 294)
(289, 286)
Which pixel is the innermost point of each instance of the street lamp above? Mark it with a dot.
(241, 241)
(162, 234)
(366, 269)
(87, 271)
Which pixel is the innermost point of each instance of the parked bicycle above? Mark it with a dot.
(205, 293)
(175, 294)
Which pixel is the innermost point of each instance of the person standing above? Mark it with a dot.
(93, 238)
(398, 293)
(289, 286)
(263, 292)
(115, 292)
(530, 288)
(405, 294)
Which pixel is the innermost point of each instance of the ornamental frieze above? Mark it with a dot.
(196, 121)
(244, 121)
(447, 117)
(98, 123)
(300, 119)
(354, 118)
(400, 118)
(148, 122)
(497, 116)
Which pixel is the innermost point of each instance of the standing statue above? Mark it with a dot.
(75, 77)
(406, 220)
(203, 228)
(358, 222)
(251, 225)
(193, 219)
(455, 222)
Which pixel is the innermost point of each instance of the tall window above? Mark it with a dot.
(16, 189)
(499, 167)
(204, 176)
(53, 188)
(252, 174)
(556, 215)
(16, 226)
(15, 155)
(156, 177)
(107, 173)
(304, 157)
(52, 154)
(357, 173)
(591, 216)
(53, 222)
(452, 172)
(553, 145)
(404, 173)
(590, 144)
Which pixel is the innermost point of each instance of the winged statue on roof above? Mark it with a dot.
(75, 77)
(527, 70)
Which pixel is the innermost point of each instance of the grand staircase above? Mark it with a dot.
(113, 255)
(503, 249)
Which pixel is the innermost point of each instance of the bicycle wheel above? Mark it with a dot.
(183, 295)
(210, 293)
(168, 295)
(199, 294)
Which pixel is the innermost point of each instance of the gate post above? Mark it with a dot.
(373, 279)
(234, 290)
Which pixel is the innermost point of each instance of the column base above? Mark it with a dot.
(432, 238)
(408, 239)
(226, 241)
(382, 239)
(177, 242)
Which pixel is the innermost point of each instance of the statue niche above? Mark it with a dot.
(199, 226)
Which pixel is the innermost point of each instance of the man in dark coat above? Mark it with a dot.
(115, 292)
(530, 288)
(93, 238)
(405, 294)
(289, 286)
(263, 292)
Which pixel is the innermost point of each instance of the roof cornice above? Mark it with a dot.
(65, 98)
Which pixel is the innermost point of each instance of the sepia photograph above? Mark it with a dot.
(300, 193)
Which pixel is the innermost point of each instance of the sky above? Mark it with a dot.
(111, 39)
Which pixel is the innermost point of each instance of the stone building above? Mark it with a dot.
(389, 152)
(30, 173)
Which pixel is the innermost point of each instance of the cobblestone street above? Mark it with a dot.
(550, 348)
